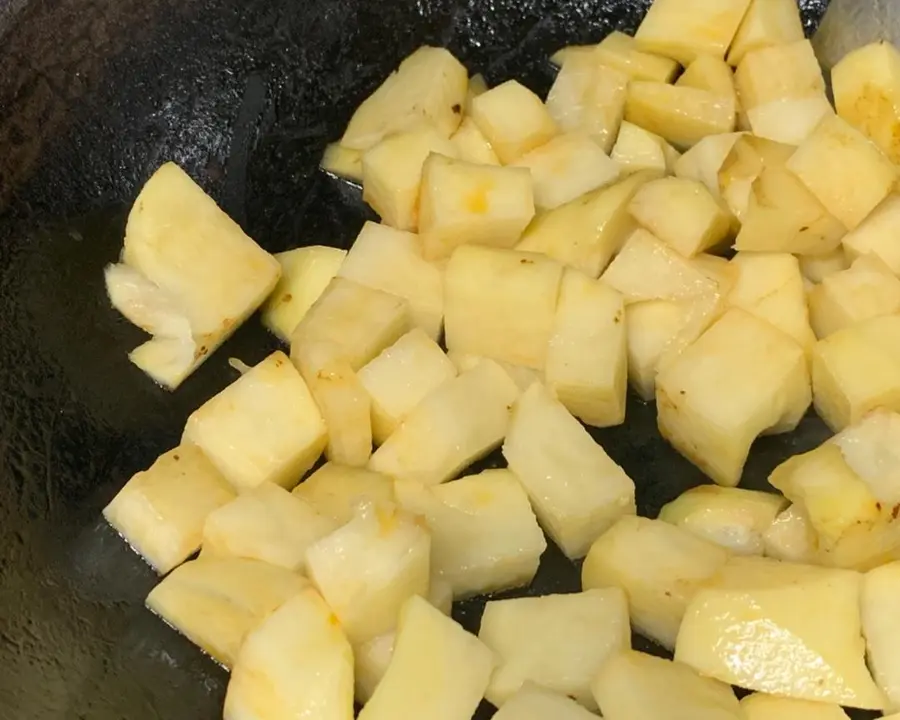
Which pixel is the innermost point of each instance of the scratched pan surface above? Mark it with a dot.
(93, 97)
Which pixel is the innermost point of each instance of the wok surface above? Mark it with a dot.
(93, 97)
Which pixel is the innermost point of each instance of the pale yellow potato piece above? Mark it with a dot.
(371, 661)
(877, 235)
(816, 268)
(569, 52)
(620, 51)
(681, 115)
(636, 150)
(871, 447)
(215, 602)
(847, 173)
(513, 119)
(748, 158)
(523, 377)
(264, 427)
(533, 702)
(160, 512)
(338, 491)
(705, 159)
(650, 326)
(570, 638)
(881, 628)
(789, 120)
(467, 203)
(471, 145)
(459, 423)
(796, 629)
(342, 162)
(709, 73)
(791, 537)
(477, 86)
(759, 706)
(779, 72)
(767, 23)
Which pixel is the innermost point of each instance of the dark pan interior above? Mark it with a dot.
(93, 97)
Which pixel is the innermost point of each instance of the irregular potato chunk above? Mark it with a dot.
(681, 115)
(338, 491)
(523, 377)
(759, 706)
(871, 447)
(749, 157)
(342, 162)
(767, 23)
(881, 628)
(877, 235)
(705, 159)
(791, 537)
(636, 150)
(620, 51)
(710, 73)
(472, 146)
(533, 702)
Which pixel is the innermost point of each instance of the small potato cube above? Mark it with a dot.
(533, 702)
(779, 72)
(704, 160)
(681, 115)
(472, 146)
(161, 510)
(570, 638)
(523, 377)
(576, 489)
(791, 537)
(401, 377)
(264, 427)
(658, 565)
(484, 536)
(513, 119)
(305, 273)
(459, 423)
(871, 448)
(844, 170)
(816, 268)
(587, 355)
(767, 23)
(369, 568)
(215, 602)
(650, 327)
(392, 173)
(741, 378)
(392, 261)
(709, 73)
(686, 29)
(681, 213)
(465, 203)
(620, 51)
(636, 150)
(266, 523)
(500, 304)
(881, 628)
(339, 491)
(342, 162)
(877, 235)
(759, 706)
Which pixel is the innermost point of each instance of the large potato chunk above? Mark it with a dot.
(338, 491)
(264, 427)
(533, 702)
(767, 23)
(682, 115)
(429, 85)
(161, 510)
(297, 664)
(620, 51)
(790, 630)
(743, 377)
(569, 639)
(759, 706)
(513, 119)
(197, 275)
(576, 489)
(877, 235)
(881, 627)
(658, 565)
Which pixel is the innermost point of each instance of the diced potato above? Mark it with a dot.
(305, 273)
(429, 85)
(567, 167)
(342, 162)
(523, 377)
(161, 510)
(297, 664)
(197, 275)
(500, 304)
(371, 660)
(816, 268)
(864, 548)
(513, 119)
(650, 326)
(857, 370)
(681, 115)
(533, 702)
(459, 423)
(741, 378)
(564, 54)
(576, 489)
(681, 213)
(789, 120)
(795, 628)
(749, 157)
(569, 639)
(866, 85)
(881, 628)
(791, 537)
(438, 670)
(587, 361)
(636, 686)
(338, 491)
(767, 23)
(620, 51)
(636, 150)
(472, 146)
(844, 170)
(877, 235)
(484, 536)
(477, 86)
(709, 73)
(465, 203)
(367, 569)
(266, 523)
(871, 448)
(734, 518)
(705, 159)
(686, 29)
(215, 602)
(587, 232)
(759, 706)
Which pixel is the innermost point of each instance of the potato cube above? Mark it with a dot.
(681, 115)
(392, 261)
(343, 162)
(215, 602)
(866, 85)
(749, 158)
(298, 663)
(533, 702)
(570, 638)
(305, 273)
(161, 510)
(587, 356)
(513, 119)
(472, 146)
(759, 706)
(779, 72)
(705, 159)
(767, 23)
(636, 150)
(564, 54)
(620, 51)
(816, 268)
(500, 304)
(401, 377)
(266, 523)
(523, 377)
(448, 668)
(264, 427)
(459, 423)
(686, 29)
(484, 536)
(709, 73)
(789, 120)
(881, 628)
(197, 275)
(636, 686)
(871, 448)
(465, 203)
(429, 85)
(877, 235)
(338, 491)
(791, 537)
(650, 327)
(796, 629)
(367, 569)
(576, 489)
(844, 170)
